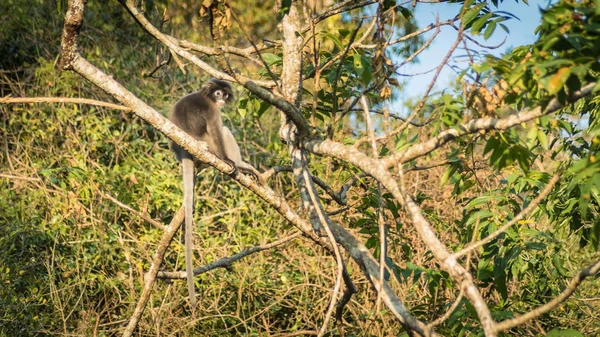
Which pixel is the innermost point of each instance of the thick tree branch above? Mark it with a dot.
(199, 150)
(377, 170)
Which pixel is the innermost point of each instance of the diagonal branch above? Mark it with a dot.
(226, 262)
(476, 125)
(591, 270)
(513, 221)
(377, 170)
(359, 253)
(171, 43)
(150, 277)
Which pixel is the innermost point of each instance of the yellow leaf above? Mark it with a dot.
(558, 80)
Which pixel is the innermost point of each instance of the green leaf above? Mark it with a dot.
(242, 107)
(595, 237)
(472, 13)
(406, 13)
(491, 144)
(489, 30)
(564, 333)
(263, 107)
(500, 277)
(479, 23)
(270, 58)
(367, 74)
(543, 139)
(559, 264)
(449, 173)
(358, 65)
(477, 202)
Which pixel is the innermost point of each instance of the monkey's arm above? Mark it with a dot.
(232, 150)
(218, 147)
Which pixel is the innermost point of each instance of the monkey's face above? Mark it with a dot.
(221, 97)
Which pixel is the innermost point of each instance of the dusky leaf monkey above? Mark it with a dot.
(199, 115)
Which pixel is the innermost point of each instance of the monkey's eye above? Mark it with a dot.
(218, 93)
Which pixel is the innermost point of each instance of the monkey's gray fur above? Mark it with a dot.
(199, 115)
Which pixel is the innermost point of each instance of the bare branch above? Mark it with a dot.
(22, 100)
(378, 170)
(174, 46)
(380, 221)
(335, 196)
(226, 262)
(449, 263)
(591, 270)
(421, 103)
(135, 212)
(339, 310)
(150, 277)
(340, 264)
(413, 34)
(424, 46)
(246, 52)
(479, 43)
(26, 178)
(199, 150)
(249, 38)
(513, 221)
(476, 125)
(339, 8)
(428, 166)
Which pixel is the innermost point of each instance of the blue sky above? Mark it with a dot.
(521, 32)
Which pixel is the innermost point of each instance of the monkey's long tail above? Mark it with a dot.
(188, 203)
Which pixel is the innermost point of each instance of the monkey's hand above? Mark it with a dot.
(252, 172)
(230, 163)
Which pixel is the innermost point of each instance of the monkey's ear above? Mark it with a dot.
(206, 88)
(231, 95)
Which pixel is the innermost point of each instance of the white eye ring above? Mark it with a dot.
(218, 93)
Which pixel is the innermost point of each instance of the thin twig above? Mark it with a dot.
(226, 262)
(135, 212)
(10, 176)
(338, 73)
(591, 270)
(334, 245)
(533, 205)
(150, 277)
(21, 100)
(380, 220)
(346, 296)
